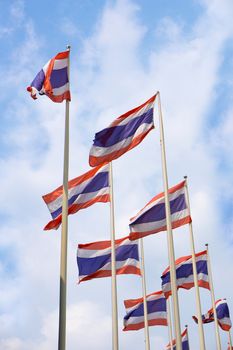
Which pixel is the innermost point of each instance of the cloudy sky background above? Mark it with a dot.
(122, 52)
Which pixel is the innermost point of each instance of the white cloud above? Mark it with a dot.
(17, 10)
(14, 20)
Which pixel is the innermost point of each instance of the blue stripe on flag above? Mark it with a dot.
(59, 77)
(158, 305)
(112, 135)
(88, 266)
(97, 183)
(186, 270)
(222, 311)
(185, 346)
(157, 212)
(39, 80)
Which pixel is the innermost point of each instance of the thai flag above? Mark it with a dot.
(184, 342)
(125, 133)
(152, 218)
(206, 318)
(83, 191)
(94, 259)
(156, 308)
(223, 315)
(53, 79)
(184, 273)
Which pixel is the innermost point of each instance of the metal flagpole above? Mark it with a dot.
(229, 337)
(169, 323)
(195, 278)
(170, 242)
(64, 231)
(146, 326)
(186, 326)
(213, 300)
(113, 266)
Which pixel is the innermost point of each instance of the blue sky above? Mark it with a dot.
(122, 52)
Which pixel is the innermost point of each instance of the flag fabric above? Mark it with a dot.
(152, 218)
(223, 315)
(156, 309)
(229, 347)
(184, 273)
(94, 259)
(184, 342)
(53, 80)
(83, 191)
(206, 318)
(123, 134)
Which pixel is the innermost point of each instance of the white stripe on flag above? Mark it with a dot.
(136, 114)
(81, 198)
(151, 316)
(93, 253)
(59, 64)
(97, 151)
(61, 90)
(180, 281)
(149, 226)
(158, 201)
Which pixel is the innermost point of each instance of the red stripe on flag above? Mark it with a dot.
(187, 286)
(137, 326)
(175, 224)
(50, 197)
(101, 244)
(132, 302)
(134, 110)
(62, 55)
(54, 224)
(107, 273)
(60, 98)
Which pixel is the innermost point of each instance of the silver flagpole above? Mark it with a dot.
(113, 266)
(213, 300)
(169, 322)
(186, 326)
(195, 278)
(64, 231)
(170, 242)
(146, 328)
(229, 337)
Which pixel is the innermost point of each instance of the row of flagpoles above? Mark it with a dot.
(125, 133)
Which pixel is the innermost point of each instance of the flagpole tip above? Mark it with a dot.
(186, 326)
(206, 245)
(68, 47)
(185, 177)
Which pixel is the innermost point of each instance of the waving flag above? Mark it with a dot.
(52, 80)
(184, 273)
(223, 315)
(125, 133)
(156, 308)
(152, 218)
(206, 318)
(184, 341)
(83, 191)
(94, 259)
